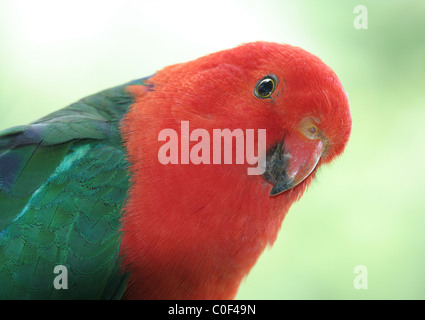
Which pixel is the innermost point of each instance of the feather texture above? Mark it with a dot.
(63, 180)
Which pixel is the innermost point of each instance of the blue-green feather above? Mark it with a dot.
(63, 183)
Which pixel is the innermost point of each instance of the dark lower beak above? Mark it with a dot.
(291, 162)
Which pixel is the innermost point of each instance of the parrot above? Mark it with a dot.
(88, 210)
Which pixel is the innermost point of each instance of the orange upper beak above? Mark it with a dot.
(292, 161)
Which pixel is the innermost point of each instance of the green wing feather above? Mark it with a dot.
(63, 182)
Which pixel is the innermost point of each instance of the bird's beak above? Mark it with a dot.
(290, 162)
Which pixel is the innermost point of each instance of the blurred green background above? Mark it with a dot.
(367, 208)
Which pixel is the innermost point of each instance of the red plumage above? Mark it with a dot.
(194, 231)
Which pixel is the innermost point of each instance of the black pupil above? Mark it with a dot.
(265, 87)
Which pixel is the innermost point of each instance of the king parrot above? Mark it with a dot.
(83, 190)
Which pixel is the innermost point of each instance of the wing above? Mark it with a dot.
(63, 181)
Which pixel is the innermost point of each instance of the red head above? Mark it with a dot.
(195, 230)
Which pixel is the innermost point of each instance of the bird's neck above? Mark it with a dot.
(196, 238)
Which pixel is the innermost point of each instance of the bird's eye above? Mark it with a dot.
(265, 86)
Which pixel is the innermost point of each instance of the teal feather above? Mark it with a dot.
(63, 182)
